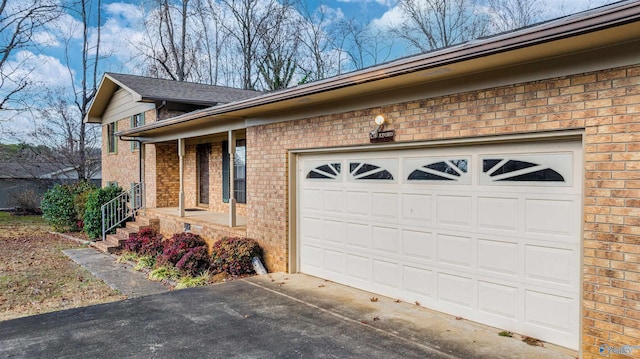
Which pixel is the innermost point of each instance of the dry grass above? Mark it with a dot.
(36, 277)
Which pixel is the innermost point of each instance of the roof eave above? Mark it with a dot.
(106, 89)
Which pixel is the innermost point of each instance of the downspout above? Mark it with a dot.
(162, 105)
(143, 194)
(140, 157)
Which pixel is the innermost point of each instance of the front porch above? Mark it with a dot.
(212, 226)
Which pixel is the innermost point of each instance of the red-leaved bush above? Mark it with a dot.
(195, 261)
(233, 255)
(147, 242)
(178, 245)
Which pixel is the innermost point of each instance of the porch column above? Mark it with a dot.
(143, 189)
(181, 150)
(232, 195)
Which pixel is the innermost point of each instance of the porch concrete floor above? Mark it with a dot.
(199, 215)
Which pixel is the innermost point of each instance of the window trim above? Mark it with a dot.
(135, 145)
(225, 172)
(112, 140)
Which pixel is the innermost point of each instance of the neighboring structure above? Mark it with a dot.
(501, 183)
(38, 177)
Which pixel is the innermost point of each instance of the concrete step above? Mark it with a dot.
(124, 232)
(106, 247)
(116, 240)
(143, 221)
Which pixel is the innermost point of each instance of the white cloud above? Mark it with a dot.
(387, 3)
(393, 17)
(64, 27)
(124, 13)
(45, 38)
(40, 69)
(121, 31)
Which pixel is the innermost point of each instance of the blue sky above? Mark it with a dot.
(121, 30)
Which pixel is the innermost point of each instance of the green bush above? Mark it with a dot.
(93, 211)
(233, 255)
(60, 205)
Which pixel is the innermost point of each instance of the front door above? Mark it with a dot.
(203, 152)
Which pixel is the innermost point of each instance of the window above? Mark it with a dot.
(445, 170)
(326, 171)
(519, 171)
(239, 171)
(136, 121)
(541, 169)
(367, 171)
(112, 144)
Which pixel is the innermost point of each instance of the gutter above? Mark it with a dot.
(573, 25)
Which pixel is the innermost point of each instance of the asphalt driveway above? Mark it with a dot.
(274, 316)
(232, 320)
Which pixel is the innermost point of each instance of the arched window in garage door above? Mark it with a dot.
(541, 169)
(326, 171)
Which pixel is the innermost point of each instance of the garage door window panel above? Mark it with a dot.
(542, 169)
(437, 170)
(380, 170)
(329, 171)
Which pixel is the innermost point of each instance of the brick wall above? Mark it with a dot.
(123, 165)
(167, 175)
(210, 232)
(605, 104)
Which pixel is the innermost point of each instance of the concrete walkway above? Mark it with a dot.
(119, 276)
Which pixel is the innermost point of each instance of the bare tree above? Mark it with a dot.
(69, 143)
(278, 53)
(507, 15)
(365, 46)
(60, 117)
(278, 65)
(315, 42)
(171, 45)
(212, 40)
(253, 20)
(19, 22)
(432, 24)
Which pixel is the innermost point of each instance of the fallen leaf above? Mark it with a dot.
(459, 318)
(321, 286)
(397, 300)
(532, 341)
(376, 318)
(373, 299)
(417, 303)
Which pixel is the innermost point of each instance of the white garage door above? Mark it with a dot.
(490, 233)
